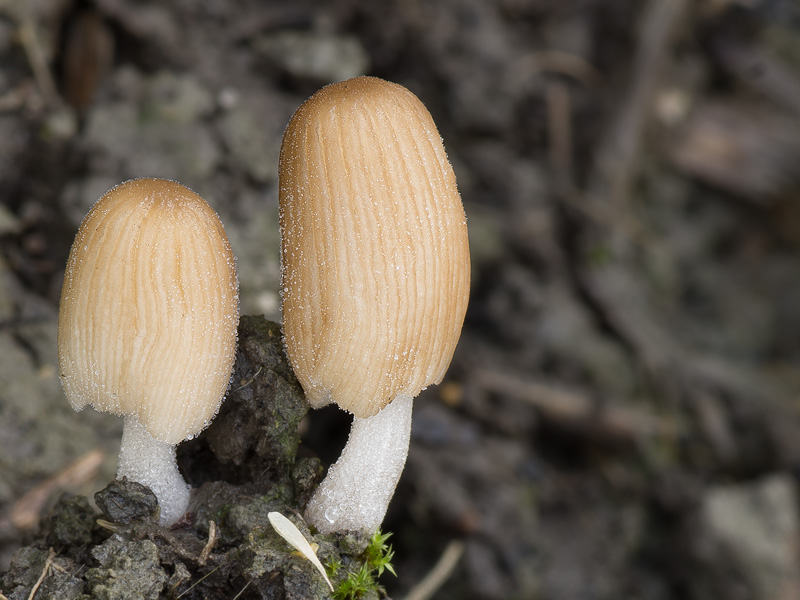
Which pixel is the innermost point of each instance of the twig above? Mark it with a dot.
(572, 408)
(560, 136)
(430, 584)
(107, 525)
(13, 100)
(612, 285)
(764, 72)
(555, 61)
(616, 157)
(51, 555)
(559, 124)
(25, 512)
(33, 51)
(246, 585)
(249, 381)
(212, 541)
(187, 590)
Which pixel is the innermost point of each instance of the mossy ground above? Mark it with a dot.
(243, 467)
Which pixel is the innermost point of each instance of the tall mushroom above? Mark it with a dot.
(375, 278)
(147, 325)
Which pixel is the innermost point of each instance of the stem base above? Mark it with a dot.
(358, 488)
(152, 463)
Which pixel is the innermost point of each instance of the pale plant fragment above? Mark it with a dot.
(289, 531)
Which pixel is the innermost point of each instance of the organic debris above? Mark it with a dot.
(225, 544)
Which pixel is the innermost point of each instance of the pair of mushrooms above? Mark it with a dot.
(375, 285)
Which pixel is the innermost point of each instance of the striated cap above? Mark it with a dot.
(374, 246)
(149, 309)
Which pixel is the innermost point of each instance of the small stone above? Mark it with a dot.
(124, 501)
(127, 570)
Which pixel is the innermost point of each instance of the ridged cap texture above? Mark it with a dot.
(149, 309)
(374, 247)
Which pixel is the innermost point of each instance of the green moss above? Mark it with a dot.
(360, 580)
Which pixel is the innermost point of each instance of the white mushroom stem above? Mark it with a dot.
(144, 459)
(356, 492)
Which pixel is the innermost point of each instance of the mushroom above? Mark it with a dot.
(147, 325)
(375, 278)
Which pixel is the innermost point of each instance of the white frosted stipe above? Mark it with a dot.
(356, 492)
(152, 463)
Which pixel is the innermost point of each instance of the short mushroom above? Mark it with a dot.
(147, 325)
(375, 278)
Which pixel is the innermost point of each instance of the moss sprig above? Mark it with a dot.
(363, 582)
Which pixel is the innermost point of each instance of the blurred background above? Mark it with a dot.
(622, 415)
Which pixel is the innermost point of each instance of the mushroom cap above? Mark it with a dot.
(149, 309)
(374, 250)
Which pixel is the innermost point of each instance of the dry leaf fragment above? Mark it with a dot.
(289, 531)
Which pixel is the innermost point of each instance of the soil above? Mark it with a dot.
(621, 418)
